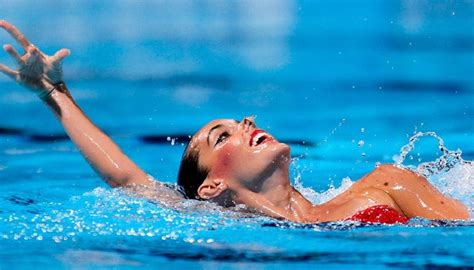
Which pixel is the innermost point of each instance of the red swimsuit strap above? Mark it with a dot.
(379, 214)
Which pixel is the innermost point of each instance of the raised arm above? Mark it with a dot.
(42, 74)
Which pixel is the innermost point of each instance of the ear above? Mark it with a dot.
(211, 188)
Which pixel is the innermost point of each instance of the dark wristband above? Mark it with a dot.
(61, 87)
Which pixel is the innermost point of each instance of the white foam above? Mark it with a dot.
(323, 196)
(457, 183)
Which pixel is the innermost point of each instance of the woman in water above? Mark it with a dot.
(231, 162)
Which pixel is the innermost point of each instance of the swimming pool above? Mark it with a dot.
(345, 84)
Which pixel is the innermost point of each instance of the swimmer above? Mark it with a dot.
(231, 162)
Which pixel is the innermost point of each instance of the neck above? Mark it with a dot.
(277, 198)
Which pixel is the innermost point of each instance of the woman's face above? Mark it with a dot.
(239, 152)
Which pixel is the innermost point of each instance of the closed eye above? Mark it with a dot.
(222, 137)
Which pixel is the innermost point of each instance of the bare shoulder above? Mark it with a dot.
(386, 177)
(390, 169)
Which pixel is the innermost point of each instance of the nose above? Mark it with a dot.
(247, 123)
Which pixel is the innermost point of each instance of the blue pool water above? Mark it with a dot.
(345, 84)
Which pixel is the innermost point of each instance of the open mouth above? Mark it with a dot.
(258, 137)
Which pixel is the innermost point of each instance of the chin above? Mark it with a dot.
(281, 153)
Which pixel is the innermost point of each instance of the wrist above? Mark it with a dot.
(59, 87)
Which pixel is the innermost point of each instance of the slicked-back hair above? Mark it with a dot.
(191, 175)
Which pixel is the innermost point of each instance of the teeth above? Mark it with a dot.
(257, 137)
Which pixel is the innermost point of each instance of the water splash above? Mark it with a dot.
(167, 217)
(333, 131)
(323, 196)
(113, 212)
(458, 183)
(448, 160)
(450, 173)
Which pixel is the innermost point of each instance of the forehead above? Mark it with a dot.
(201, 136)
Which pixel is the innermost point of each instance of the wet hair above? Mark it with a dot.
(191, 175)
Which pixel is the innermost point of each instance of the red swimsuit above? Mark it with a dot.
(379, 214)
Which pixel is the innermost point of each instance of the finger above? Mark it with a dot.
(16, 34)
(60, 55)
(11, 51)
(8, 71)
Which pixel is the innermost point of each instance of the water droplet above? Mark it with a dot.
(360, 143)
(446, 161)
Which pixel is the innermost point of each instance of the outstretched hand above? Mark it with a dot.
(36, 71)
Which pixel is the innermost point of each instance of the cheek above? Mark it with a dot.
(225, 161)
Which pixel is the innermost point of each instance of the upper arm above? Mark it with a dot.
(139, 178)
